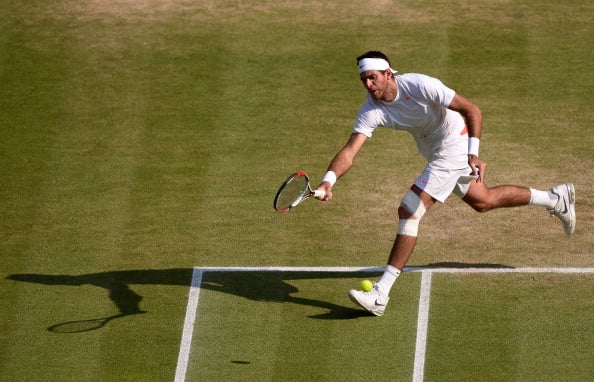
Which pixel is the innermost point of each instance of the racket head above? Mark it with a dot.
(291, 191)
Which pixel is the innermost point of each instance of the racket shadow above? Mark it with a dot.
(80, 326)
(118, 286)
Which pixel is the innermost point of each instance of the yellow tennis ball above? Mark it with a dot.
(366, 285)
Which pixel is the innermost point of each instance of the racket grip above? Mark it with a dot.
(319, 194)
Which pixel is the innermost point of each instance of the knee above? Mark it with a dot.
(479, 208)
(481, 205)
(481, 198)
(403, 213)
(410, 212)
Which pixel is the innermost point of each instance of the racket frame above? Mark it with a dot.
(305, 193)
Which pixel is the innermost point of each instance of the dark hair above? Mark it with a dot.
(373, 54)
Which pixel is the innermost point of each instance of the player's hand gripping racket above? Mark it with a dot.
(295, 190)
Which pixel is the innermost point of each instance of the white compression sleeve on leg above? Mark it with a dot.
(413, 204)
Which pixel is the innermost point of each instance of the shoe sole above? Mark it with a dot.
(571, 192)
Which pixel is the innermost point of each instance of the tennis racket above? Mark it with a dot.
(295, 190)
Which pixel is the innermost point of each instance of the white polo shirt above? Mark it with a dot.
(420, 107)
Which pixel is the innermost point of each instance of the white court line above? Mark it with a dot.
(186, 342)
(194, 295)
(444, 269)
(498, 270)
(422, 325)
(294, 269)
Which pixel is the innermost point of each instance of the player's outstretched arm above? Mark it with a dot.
(342, 162)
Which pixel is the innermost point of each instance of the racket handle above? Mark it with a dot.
(319, 194)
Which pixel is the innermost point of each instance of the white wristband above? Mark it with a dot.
(473, 146)
(330, 177)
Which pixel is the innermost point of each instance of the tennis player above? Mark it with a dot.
(447, 130)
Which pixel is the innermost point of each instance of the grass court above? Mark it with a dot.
(142, 145)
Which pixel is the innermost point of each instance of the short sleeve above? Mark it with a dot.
(367, 120)
(435, 90)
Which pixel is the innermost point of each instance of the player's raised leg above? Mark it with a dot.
(559, 200)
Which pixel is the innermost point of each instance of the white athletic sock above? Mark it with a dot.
(388, 279)
(543, 198)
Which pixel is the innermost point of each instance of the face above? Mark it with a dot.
(379, 84)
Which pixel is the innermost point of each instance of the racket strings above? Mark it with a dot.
(291, 193)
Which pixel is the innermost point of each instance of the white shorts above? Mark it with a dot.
(442, 175)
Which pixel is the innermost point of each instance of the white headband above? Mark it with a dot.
(374, 64)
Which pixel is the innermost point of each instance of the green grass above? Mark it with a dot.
(510, 327)
(293, 326)
(141, 138)
(528, 327)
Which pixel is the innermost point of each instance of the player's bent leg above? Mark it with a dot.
(483, 199)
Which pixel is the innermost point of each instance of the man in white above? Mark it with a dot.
(447, 130)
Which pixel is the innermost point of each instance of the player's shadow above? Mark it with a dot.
(265, 286)
(256, 286)
(276, 287)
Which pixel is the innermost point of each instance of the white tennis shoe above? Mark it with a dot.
(374, 301)
(565, 207)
